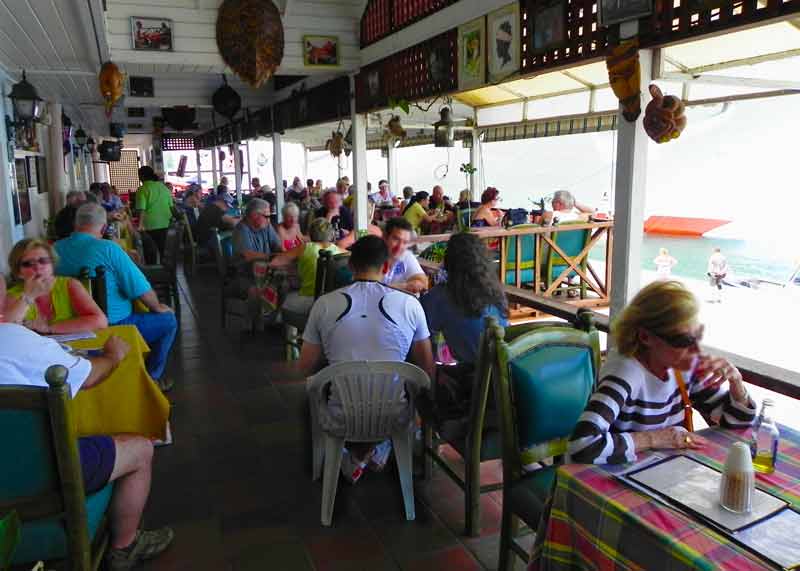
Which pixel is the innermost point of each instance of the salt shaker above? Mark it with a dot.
(738, 481)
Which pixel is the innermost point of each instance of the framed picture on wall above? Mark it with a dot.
(616, 11)
(152, 34)
(549, 26)
(471, 54)
(503, 43)
(321, 51)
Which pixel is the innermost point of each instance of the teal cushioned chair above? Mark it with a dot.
(572, 243)
(44, 482)
(464, 218)
(544, 377)
(527, 256)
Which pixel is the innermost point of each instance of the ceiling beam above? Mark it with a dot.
(773, 84)
(744, 61)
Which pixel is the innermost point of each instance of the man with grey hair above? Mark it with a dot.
(125, 283)
(254, 238)
(64, 222)
(567, 209)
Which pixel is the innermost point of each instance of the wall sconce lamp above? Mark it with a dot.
(27, 103)
(80, 138)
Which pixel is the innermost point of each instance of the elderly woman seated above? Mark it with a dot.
(322, 233)
(289, 228)
(652, 379)
(486, 214)
(42, 301)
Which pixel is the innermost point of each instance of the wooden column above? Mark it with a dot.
(214, 175)
(392, 176)
(57, 176)
(359, 162)
(237, 172)
(277, 164)
(629, 195)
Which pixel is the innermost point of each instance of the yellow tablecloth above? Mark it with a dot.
(128, 401)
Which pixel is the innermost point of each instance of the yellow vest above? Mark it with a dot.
(59, 299)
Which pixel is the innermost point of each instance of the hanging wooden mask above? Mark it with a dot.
(111, 80)
(250, 38)
(625, 77)
(336, 143)
(664, 117)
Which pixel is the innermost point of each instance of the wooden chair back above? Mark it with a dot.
(332, 272)
(96, 285)
(41, 477)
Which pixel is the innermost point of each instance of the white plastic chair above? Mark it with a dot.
(377, 402)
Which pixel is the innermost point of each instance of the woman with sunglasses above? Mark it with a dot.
(43, 302)
(653, 378)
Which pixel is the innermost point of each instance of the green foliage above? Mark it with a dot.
(468, 169)
(435, 252)
(9, 538)
(401, 104)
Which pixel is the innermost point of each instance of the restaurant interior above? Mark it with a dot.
(239, 415)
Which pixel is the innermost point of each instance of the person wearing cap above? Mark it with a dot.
(306, 255)
(365, 321)
(155, 204)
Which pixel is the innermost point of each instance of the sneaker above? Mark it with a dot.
(352, 470)
(146, 545)
(165, 384)
(380, 456)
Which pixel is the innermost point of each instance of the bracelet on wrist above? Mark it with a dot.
(28, 300)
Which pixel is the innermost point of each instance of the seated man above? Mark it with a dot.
(125, 459)
(213, 216)
(404, 270)
(191, 206)
(340, 217)
(365, 321)
(566, 209)
(254, 238)
(65, 219)
(384, 194)
(125, 283)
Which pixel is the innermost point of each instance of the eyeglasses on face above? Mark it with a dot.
(683, 340)
(263, 215)
(43, 261)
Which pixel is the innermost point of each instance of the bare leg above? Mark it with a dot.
(132, 472)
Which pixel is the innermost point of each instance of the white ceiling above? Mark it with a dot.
(54, 41)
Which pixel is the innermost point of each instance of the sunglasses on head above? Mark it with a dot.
(35, 262)
(683, 340)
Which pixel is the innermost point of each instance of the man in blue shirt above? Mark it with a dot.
(254, 238)
(125, 283)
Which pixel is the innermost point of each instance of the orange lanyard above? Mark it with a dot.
(687, 404)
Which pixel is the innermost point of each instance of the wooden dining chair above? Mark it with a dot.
(543, 379)
(41, 479)
(333, 272)
(95, 285)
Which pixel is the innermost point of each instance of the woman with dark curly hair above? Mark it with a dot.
(486, 215)
(458, 308)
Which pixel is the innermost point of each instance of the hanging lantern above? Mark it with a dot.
(664, 117)
(80, 137)
(250, 38)
(110, 85)
(180, 117)
(27, 103)
(443, 130)
(625, 77)
(226, 101)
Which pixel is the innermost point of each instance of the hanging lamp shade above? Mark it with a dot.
(110, 85)
(250, 38)
(443, 131)
(226, 101)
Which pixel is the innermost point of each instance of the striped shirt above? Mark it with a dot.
(629, 398)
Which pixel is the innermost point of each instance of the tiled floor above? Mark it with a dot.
(236, 483)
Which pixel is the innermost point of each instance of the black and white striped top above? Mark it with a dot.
(629, 398)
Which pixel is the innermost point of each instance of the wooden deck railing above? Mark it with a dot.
(595, 287)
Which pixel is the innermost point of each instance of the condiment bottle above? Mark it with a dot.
(764, 441)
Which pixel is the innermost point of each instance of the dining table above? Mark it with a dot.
(128, 401)
(597, 521)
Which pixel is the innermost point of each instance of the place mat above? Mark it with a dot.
(694, 487)
(775, 539)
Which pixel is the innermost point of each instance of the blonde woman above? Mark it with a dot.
(654, 376)
(44, 302)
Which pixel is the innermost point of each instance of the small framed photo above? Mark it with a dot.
(154, 34)
(472, 54)
(321, 51)
(549, 26)
(503, 45)
(616, 11)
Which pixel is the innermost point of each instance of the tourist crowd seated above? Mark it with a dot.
(155, 203)
(416, 211)
(289, 227)
(458, 308)
(340, 217)
(64, 222)
(213, 215)
(486, 216)
(306, 255)
(108, 199)
(404, 271)
(42, 301)
(566, 209)
(125, 283)
(297, 193)
(372, 229)
(388, 325)
(124, 459)
(639, 404)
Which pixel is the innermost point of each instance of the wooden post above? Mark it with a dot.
(237, 172)
(629, 192)
(277, 165)
(392, 176)
(359, 123)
